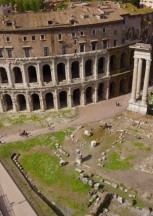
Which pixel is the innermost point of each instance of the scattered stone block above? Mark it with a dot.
(120, 200)
(91, 182)
(79, 170)
(132, 196)
(97, 186)
(114, 185)
(93, 143)
(129, 202)
(85, 180)
(87, 133)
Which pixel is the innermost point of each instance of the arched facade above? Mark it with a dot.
(61, 72)
(76, 97)
(46, 73)
(101, 93)
(32, 74)
(75, 69)
(8, 104)
(21, 102)
(89, 95)
(123, 61)
(35, 102)
(17, 75)
(112, 90)
(113, 62)
(3, 75)
(88, 68)
(62, 99)
(101, 65)
(49, 101)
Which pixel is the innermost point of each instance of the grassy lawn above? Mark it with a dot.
(41, 118)
(59, 184)
(115, 163)
(141, 146)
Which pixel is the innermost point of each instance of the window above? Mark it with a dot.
(93, 45)
(114, 43)
(82, 33)
(27, 52)
(1, 53)
(75, 41)
(25, 38)
(8, 39)
(82, 48)
(50, 22)
(75, 51)
(59, 37)
(93, 31)
(115, 32)
(9, 53)
(73, 34)
(64, 49)
(105, 44)
(42, 37)
(33, 37)
(104, 30)
(46, 51)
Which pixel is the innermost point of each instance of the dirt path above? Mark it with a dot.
(90, 113)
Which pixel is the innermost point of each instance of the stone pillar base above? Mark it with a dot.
(138, 107)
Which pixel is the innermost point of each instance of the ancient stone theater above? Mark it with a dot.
(50, 60)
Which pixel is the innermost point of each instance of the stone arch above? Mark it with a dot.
(113, 62)
(17, 75)
(89, 95)
(61, 72)
(101, 65)
(101, 92)
(123, 61)
(76, 97)
(35, 101)
(21, 102)
(32, 74)
(130, 84)
(3, 75)
(63, 99)
(8, 104)
(122, 86)
(46, 71)
(49, 101)
(75, 69)
(112, 89)
(88, 68)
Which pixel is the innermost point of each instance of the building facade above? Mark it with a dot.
(73, 57)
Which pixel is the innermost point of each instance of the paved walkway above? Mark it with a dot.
(90, 113)
(19, 204)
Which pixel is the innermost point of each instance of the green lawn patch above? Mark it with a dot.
(142, 147)
(115, 163)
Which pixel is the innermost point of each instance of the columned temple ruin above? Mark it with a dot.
(138, 101)
(68, 58)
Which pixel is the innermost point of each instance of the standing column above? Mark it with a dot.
(82, 70)
(24, 76)
(15, 107)
(42, 102)
(139, 78)
(146, 82)
(68, 72)
(54, 74)
(56, 100)
(28, 101)
(95, 68)
(83, 100)
(9, 74)
(134, 82)
(96, 95)
(1, 105)
(107, 64)
(69, 98)
(39, 75)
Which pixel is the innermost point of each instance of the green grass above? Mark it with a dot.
(115, 163)
(27, 145)
(7, 120)
(58, 183)
(141, 146)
